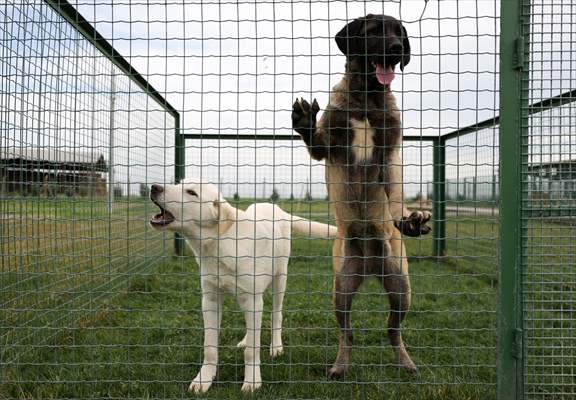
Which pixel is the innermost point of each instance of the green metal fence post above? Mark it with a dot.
(439, 197)
(179, 167)
(513, 118)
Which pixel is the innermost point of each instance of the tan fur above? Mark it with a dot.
(393, 175)
(357, 212)
(359, 135)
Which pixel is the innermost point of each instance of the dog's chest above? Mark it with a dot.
(362, 145)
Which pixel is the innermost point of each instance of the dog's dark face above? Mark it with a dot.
(378, 42)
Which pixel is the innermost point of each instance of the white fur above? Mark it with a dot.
(240, 253)
(363, 141)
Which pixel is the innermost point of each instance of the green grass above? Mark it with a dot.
(141, 337)
(78, 323)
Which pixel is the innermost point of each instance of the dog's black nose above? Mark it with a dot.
(156, 189)
(395, 49)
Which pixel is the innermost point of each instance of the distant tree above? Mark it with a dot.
(236, 197)
(308, 196)
(291, 196)
(144, 191)
(2, 182)
(275, 195)
(69, 190)
(36, 189)
(118, 191)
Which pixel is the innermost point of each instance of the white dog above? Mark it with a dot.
(239, 252)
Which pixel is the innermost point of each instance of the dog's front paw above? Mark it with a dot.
(252, 378)
(203, 380)
(249, 387)
(276, 351)
(199, 386)
(304, 116)
(415, 224)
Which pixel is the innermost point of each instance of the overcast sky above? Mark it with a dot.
(235, 67)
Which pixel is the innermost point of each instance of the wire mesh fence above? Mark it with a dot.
(547, 176)
(106, 105)
(80, 144)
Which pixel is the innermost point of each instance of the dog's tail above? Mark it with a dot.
(303, 226)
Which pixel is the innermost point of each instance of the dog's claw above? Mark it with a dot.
(315, 107)
(203, 380)
(242, 344)
(296, 107)
(415, 224)
(198, 386)
(249, 387)
(304, 116)
(405, 362)
(337, 372)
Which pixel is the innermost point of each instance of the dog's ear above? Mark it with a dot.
(225, 215)
(217, 207)
(405, 49)
(223, 210)
(349, 38)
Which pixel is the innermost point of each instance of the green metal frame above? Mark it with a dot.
(70, 14)
(439, 197)
(513, 100)
(179, 170)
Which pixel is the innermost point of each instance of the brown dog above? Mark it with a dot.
(360, 137)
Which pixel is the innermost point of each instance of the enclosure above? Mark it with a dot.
(100, 100)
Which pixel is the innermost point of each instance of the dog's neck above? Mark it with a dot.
(201, 237)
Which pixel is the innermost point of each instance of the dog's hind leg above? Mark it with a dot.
(397, 283)
(346, 284)
(212, 313)
(278, 291)
(252, 305)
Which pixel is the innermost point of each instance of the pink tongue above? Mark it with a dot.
(385, 77)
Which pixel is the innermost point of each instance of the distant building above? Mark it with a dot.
(50, 171)
(552, 180)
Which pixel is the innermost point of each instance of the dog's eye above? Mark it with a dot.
(191, 192)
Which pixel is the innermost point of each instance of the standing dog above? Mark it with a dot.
(239, 252)
(360, 137)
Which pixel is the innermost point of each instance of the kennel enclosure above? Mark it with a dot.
(100, 100)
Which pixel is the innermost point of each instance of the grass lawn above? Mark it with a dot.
(86, 324)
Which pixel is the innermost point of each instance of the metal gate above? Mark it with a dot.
(537, 332)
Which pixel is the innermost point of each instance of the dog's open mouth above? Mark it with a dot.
(163, 218)
(385, 75)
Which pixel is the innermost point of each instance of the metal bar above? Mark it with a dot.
(556, 101)
(111, 143)
(509, 366)
(179, 173)
(552, 102)
(196, 136)
(69, 13)
(439, 198)
(488, 123)
(523, 66)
